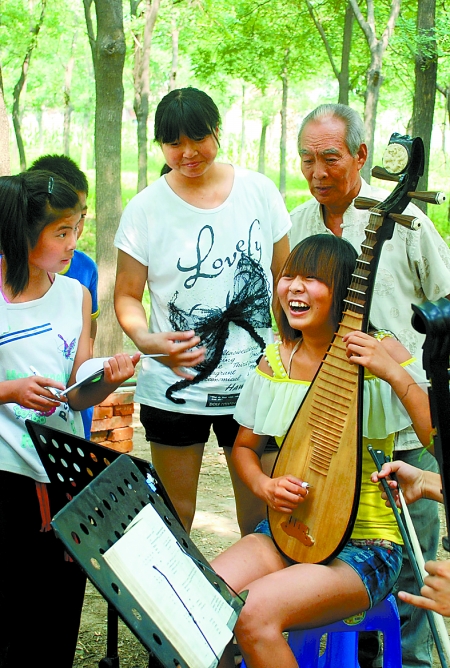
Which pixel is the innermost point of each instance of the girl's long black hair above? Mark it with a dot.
(29, 202)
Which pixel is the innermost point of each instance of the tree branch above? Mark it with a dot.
(325, 41)
(90, 29)
(389, 29)
(371, 15)
(365, 27)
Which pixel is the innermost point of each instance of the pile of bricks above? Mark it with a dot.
(111, 424)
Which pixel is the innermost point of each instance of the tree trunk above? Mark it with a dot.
(141, 76)
(262, 148)
(18, 88)
(174, 67)
(425, 89)
(108, 50)
(17, 126)
(344, 74)
(283, 139)
(67, 105)
(447, 99)
(84, 142)
(5, 166)
(242, 146)
(374, 81)
(374, 77)
(40, 123)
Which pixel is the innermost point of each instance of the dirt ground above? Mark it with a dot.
(215, 528)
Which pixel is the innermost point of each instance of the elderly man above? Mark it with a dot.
(414, 267)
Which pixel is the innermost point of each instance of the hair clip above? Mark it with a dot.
(51, 181)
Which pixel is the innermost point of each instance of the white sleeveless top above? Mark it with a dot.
(43, 333)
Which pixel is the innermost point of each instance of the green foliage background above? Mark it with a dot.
(234, 49)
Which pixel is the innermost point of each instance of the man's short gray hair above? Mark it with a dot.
(353, 123)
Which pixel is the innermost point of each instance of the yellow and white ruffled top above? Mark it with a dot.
(268, 404)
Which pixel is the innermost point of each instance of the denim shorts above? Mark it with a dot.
(377, 562)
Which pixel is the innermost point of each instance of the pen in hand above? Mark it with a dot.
(53, 390)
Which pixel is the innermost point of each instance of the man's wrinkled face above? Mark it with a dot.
(327, 164)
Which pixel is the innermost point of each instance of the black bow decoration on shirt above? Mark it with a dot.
(249, 308)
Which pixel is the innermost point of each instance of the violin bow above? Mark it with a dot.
(411, 542)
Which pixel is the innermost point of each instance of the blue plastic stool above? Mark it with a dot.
(342, 639)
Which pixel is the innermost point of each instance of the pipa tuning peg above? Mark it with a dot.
(384, 175)
(431, 196)
(410, 222)
(365, 203)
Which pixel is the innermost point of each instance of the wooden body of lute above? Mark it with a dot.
(323, 443)
(321, 447)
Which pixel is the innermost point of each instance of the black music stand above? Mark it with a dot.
(96, 518)
(71, 464)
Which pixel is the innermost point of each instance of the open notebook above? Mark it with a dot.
(90, 372)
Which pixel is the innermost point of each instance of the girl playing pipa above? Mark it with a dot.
(282, 595)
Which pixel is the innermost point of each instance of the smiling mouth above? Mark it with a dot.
(298, 307)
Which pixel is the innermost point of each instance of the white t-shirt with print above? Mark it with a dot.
(208, 270)
(43, 333)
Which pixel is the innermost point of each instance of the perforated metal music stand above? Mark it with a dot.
(71, 464)
(96, 518)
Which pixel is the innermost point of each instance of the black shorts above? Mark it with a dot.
(183, 429)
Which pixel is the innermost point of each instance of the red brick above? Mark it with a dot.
(112, 423)
(121, 434)
(117, 398)
(102, 412)
(119, 446)
(99, 436)
(124, 409)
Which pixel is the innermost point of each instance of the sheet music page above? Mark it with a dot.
(152, 565)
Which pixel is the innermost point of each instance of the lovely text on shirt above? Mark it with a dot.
(251, 246)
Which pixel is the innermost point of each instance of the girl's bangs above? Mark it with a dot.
(183, 122)
(312, 260)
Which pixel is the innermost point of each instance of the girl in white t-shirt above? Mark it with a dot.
(44, 337)
(206, 237)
